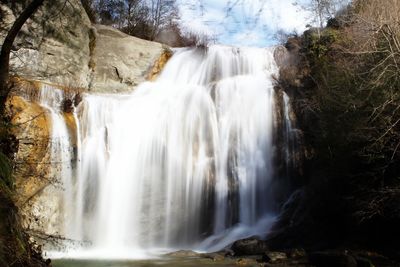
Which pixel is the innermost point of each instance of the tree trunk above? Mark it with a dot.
(6, 49)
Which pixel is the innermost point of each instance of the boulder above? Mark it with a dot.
(53, 46)
(183, 254)
(249, 246)
(64, 48)
(121, 62)
(297, 253)
(214, 256)
(273, 257)
(246, 262)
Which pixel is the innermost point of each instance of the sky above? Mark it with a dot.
(244, 22)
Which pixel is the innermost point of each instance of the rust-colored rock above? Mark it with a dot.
(72, 127)
(159, 65)
(31, 127)
(38, 190)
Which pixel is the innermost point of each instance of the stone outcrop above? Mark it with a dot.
(122, 61)
(249, 246)
(53, 46)
(61, 46)
(37, 191)
(159, 65)
(31, 127)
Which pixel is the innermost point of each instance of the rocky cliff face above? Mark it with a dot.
(120, 61)
(36, 187)
(53, 46)
(60, 46)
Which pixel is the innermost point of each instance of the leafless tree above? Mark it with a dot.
(322, 10)
(162, 12)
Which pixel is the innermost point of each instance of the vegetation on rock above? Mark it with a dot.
(15, 248)
(154, 20)
(346, 96)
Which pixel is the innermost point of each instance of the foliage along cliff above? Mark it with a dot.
(345, 85)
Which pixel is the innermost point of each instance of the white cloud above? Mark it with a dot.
(251, 38)
(208, 22)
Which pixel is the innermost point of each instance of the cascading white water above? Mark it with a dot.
(61, 154)
(182, 162)
(289, 134)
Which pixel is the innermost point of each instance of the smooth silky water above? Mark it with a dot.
(185, 162)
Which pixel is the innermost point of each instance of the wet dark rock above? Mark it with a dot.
(332, 259)
(273, 257)
(183, 254)
(228, 252)
(247, 262)
(370, 258)
(68, 106)
(249, 246)
(363, 262)
(214, 256)
(77, 99)
(334, 23)
(297, 253)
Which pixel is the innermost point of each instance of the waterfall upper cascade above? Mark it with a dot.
(182, 162)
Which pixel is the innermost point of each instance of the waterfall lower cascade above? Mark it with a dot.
(185, 162)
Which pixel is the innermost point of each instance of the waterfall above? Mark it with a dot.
(61, 152)
(290, 136)
(182, 162)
